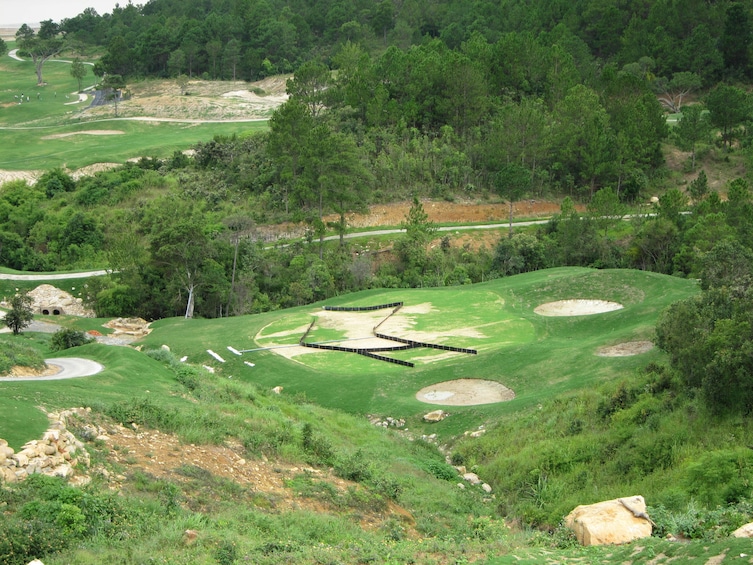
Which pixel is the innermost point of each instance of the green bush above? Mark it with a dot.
(67, 338)
(13, 353)
(144, 412)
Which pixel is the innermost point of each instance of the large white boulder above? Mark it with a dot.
(610, 522)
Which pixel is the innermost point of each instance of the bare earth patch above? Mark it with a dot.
(576, 307)
(86, 132)
(465, 392)
(358, 328)
(48, 371)
(625, 349)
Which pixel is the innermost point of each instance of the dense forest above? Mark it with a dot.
(254, 38)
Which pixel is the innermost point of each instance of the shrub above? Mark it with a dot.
(67, 338)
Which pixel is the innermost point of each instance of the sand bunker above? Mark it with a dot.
(625, 349)
(87, 132)
(465, 392)
(577, 307)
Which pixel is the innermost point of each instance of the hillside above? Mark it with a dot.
(317, 478)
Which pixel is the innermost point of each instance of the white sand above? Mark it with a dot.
(576, 307)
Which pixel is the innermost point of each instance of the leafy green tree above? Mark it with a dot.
(654, 245)
(606, 209)
(511, 182)
(699, 187)
(729, 264)
(214, 49)
(40, 46)
(672, 204)
(181, 248)
(700, 54)
(113, 86)
(736, 38)
(182, 82)
(520, 253)
(581, 137)
(693, 128)
(232, 55)
(20, 314)
(290, 128)
(419, 231)
(3, 47)
(310, 85)
(176, 62)
(729, 106)
(56, 181)
(78, 71)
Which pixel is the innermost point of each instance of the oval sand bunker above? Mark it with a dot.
(465, 392)
(576, 307)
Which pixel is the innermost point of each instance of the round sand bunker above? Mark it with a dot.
(576, 307)
(625, 349)
(465, 392)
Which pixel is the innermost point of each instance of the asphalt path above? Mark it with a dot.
(70, 368)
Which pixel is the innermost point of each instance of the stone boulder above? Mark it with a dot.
(49, 300)
(610, 522)
(745, 531)
(435, 416)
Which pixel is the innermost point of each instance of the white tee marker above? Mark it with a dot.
(213, 354)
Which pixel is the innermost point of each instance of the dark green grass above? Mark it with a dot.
(559, 358)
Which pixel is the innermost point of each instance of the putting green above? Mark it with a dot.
(480, 321)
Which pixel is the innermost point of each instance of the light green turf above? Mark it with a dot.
(550, 355)
(26, 128)
(536, 356)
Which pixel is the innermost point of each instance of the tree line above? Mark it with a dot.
(250, 39)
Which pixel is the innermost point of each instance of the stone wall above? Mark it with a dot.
(57, 454)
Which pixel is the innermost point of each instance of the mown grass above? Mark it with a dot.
(27, 128)
(558, 358)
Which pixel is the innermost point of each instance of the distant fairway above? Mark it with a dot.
(40, 134)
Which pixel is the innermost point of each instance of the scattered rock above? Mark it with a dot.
(610, 522)
(50, 300)
(435, 416)
(56, 454)
(472, 478)
(189, 536)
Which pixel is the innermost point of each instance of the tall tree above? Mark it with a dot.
(78, 71)
(20, 314)
(729, 106)
(289, 130)
(736, 38)
(309, 86)
(40, 46)
(693, 128)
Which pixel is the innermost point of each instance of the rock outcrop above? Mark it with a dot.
(610, 522)
(745, 531)
(57, 454)
(435, 416)
(49, 300)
